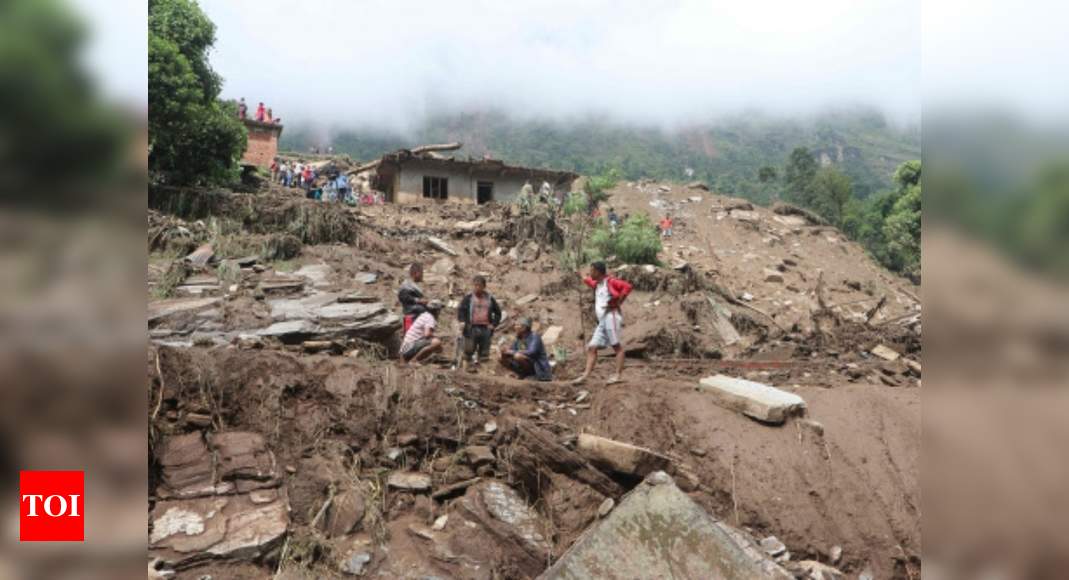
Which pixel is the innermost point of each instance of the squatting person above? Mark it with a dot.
(527, 356)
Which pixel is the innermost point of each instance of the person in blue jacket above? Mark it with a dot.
(527, 356)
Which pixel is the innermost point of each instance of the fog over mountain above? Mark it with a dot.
(388, 65)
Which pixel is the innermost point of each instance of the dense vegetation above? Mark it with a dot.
(736, 156)
(193, 136)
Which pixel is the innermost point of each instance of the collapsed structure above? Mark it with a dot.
(412, 175)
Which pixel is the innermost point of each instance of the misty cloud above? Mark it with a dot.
(389, 64)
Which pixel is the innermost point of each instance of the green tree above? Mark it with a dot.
(193, 137)
(800, 171)
(635, 242)
(766, 174)
(902, 229)
(830, 191)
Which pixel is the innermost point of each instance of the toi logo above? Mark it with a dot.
(51, 506)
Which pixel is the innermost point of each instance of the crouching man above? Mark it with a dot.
(527, 356)
(419, 342)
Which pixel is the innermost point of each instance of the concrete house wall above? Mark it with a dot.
(463, 181)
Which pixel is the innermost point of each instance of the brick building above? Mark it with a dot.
(263, 143)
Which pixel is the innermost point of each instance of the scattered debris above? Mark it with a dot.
(409, 481)
(441, 245)
(885, 353)
(201, 256)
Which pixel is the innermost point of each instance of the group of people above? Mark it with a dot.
(545, 195)
(479, 316)
(335, 186)
(262, 115)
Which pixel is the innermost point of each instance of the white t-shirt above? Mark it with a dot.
(602, 297)
(418, 329)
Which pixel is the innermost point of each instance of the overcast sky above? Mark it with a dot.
(389, 63)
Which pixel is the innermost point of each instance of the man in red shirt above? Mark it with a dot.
(666, 226)
(609, 295)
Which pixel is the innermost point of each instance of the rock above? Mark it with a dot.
(320, 317)
(914, 367)
(772, 546)
(444, 267)
(187, 466)
(345, 513)
(606, 507)
(745, 215)
(582, 396)
(366, 278)
(455, 488)
(815, 426)
(409, 481)
(355, 562)
(490, 427)
(407, 439)
(439, 523)
(341, 383)
(656, 531)
(835, 554)
(281, 285)
(232, 527)
(762, 402)
(814, 570)
(698, 185)
(620, 457)
(698, 451)
(773, 276)
(161, 310)
(747, 297)
(316, 273)
(243, 457)
(201, 256)
(504, 513)
(479, 454)
(440, 245)
(885, 353)
(527, 300)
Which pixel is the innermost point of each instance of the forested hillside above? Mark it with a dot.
(728, 154)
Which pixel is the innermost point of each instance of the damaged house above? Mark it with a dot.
(411, 175)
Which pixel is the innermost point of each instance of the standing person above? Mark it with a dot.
(545, 192)
(274, 170)
(342, 183)
(480, 315)
(260, 112)
(609, 295)
(666, 226)
(614, 220)
(410, 295)
(420, 342)
(306, 177)
(527, 356)
(269, 117)
(243, 109)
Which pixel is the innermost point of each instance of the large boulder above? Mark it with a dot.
(762, 402)
(658, 532)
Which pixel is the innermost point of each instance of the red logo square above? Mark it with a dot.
(51, 506)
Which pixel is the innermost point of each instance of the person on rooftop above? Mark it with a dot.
(243, 109)
(260, 113)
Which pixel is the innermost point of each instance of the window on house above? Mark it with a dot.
(435, 187)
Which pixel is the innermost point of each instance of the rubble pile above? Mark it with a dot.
(770, 362)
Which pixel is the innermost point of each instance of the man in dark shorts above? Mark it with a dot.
(480, 315)
(527, 356)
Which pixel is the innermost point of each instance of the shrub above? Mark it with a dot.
(635, 242)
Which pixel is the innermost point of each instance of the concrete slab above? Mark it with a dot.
(762, 402)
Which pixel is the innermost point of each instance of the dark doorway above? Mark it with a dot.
(484, 191)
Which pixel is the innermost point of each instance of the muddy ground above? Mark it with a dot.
(333, 417)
